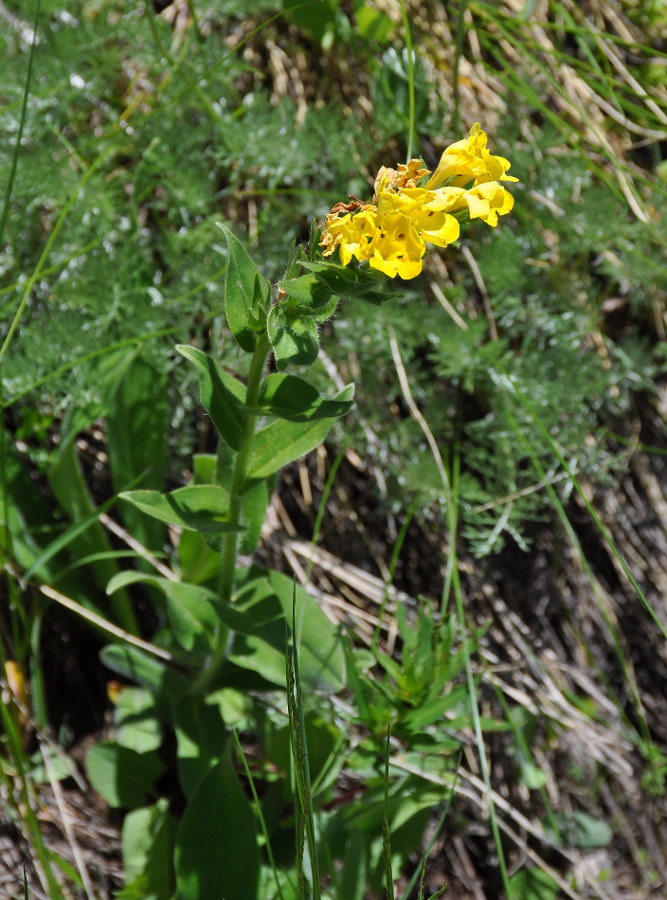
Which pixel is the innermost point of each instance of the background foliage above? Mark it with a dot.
(142, 131)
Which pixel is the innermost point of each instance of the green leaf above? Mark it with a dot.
(71, 490)
(246, 293)
(193, 619)
(198, 562)
(532, 884)
(308, 291)
(287, 395)
(318, 22)
(373, 25)
(203, 468)
(326, 754)
(293, 338)
(254, 503)
(326, 311)
(201, 738)
(148, 838)
(293, 398)
(258, 618)
(194, 622)
(282, 442)
(122, 776)
(591, 832)
(199, 507)
(348, 281)
(144, 669)
(136, 425)
(426, 714)
(583, 830)
(137, 725)
(221, 395)
(531, 775)
(216, 852)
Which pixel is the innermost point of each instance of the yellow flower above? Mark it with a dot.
(426, 212)
(391, 234)
(397, 248)
(436, 226)
(351, 234)
(469, 160)
(486, 201)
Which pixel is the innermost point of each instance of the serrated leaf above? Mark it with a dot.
(221, 395)
(293, 339)
(246, 293)
(199, 507)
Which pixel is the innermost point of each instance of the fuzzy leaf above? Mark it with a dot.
(246, 293)
(221, 395)
(294, 339)
(307, 290)
(348, 281)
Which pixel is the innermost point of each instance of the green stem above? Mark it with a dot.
(230, 540)
(241, 466)
(411, 80)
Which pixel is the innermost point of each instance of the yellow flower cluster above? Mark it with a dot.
(392, 232)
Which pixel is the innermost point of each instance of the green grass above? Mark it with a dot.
(496, 396)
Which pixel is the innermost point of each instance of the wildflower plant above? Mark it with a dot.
(224, 624)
